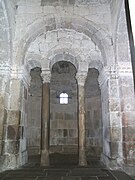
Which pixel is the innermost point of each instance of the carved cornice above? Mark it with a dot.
(46, 76)
(81, 78)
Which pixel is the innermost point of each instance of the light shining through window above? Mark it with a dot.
(63, 98)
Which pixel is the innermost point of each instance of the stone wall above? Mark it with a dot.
(128, 124)
(122, 42)
(115, 7)
(63, 120)
(126, 93)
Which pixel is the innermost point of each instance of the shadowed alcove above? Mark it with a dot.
(93, 114)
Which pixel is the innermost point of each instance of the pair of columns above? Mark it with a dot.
(81, 77)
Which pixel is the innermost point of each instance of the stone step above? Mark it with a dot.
(56, 172)
(121, 175)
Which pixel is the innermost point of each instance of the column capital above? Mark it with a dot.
(81, 78)
(46, 76)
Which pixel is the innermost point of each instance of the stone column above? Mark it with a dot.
(81, 77)
(45, 124)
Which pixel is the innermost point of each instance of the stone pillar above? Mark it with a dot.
(11, 138)
(45, 120)
(111, 117)
(81, 77)
(14, 153)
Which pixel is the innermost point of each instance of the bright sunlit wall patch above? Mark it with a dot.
(63, 98)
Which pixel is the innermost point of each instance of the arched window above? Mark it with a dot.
(63, 98)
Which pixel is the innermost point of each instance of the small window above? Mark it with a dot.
(63, 98)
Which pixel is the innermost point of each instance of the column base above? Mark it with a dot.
(9, 161)
(82, 159)
(112, 163)
(45, 161)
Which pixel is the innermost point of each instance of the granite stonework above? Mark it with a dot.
(63, 120)
(90, 39)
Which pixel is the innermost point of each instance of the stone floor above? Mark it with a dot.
(64, 167)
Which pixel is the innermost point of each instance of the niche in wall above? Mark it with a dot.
(63, 116)
(93, 114)
(34, 113)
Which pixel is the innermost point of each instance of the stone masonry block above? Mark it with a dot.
(129, 133)
(116, 133)
(15, 86)
(114, 104)
(12, 132)
(73, 133)
(129, 152)
(114, 149)
(128, 104)
(115, 119)
(14, 102)
(13, 116)
(11, 147)
(128, 118)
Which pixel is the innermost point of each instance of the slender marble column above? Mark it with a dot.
(45, 122)
(82, 130)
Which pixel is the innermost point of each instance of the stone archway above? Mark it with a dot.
(81, 25)
(45, 149)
